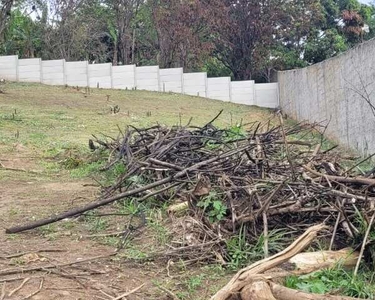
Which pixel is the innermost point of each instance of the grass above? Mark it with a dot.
(335, 281)
(53, 118)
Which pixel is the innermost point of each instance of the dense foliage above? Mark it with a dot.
(245, 39)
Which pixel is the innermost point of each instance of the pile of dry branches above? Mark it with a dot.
(264, 177)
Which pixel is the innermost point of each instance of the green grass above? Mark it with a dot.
(335, 281)
(48, 117)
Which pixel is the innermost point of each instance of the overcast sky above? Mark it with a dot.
(366, 1)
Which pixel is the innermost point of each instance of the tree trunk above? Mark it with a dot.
(5, 8)
(115, 54)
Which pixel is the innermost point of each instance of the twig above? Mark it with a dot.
(36, 292)
(171, 294)
(334, 231)
(19, 287)
(3, 288)
(287, 147)
(42, 268)
(29, 252)
(130, 292)
(265, 233)
(356, 165)
(363, 245)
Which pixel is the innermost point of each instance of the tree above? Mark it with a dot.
(124, 12)
(250, 29)
(22, 36)
(5, 8)
(182, 33)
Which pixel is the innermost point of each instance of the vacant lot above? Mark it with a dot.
(46, 167)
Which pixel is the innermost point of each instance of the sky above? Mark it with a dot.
(366, 1)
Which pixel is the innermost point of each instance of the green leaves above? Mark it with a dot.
(213, 207)
(335, 280)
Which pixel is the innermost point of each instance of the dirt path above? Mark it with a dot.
(25, 196)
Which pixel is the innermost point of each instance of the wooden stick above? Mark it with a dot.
(171, 294)
(129, 293)
(362, 161)
(36, 292)
(335, 230)
(244, 276)
(363, 245)
(42, 268)
(101, 202)
(19, 287)
(3, 288)
(29, 252)
(283, 293)
(356, 180)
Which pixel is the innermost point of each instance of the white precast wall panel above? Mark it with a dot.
(267, 95)
(147, 78)
(243, 92)
(76, 73)
(8, 67)
(100, 75)
(171, 80)
(123, 77)
(29, 70)
(195, 84)
(218, 88)
(53, 72)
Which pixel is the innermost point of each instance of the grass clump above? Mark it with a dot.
(335, 281)
(241, 252)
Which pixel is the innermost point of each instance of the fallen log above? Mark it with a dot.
(268, 290)
(244, 276)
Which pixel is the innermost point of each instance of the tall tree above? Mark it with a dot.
(124, 11)
(252, 28)
(182, 32)
(5, 8)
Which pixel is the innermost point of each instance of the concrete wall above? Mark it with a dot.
(151, 78)
(268, 93)
(195, 84)
(76, 73)
(123, 77)
(243, 92)
(219, 88)
(100, 75)
(171, 80)
(334, 91)
(9, 67)
(147, 78)
(29, 70)
(53, 72)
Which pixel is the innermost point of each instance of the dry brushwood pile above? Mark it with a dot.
(264, 177)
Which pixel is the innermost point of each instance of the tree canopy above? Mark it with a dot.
(245, 39)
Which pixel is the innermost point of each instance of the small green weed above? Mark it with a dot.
(95, 224)
(162, 235)
(194, 282)
(336, 280)
(235, 133)
(240, 252)
(48, 229)
(86, 169)
(213, 206)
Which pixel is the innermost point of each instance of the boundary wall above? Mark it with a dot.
(128, 77)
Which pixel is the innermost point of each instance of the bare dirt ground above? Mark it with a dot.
(24, 196)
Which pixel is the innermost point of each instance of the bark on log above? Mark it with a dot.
(259, 290)
(283, 293)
